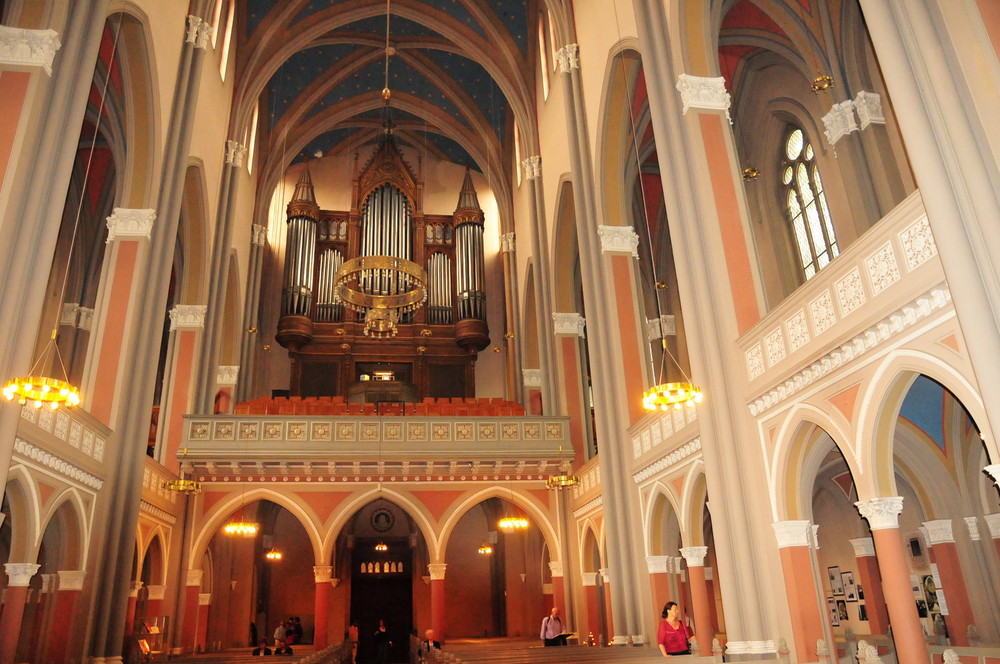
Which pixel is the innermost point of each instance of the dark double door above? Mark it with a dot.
(380, 594)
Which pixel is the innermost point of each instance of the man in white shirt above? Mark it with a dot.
(553, 630)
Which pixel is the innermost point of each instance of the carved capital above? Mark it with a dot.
(589, 579)
(882, 513)
(568, 323)
(508, 243)
(235, 152)
(258, 235)
(188, 317)
(556, 568)
(666, 326)
(972, 523)
(864, 547)
(86, 319)
(135, 588)
(940, 531)
(204, 34)
(839, 121)
(69, 313)
(436, 570)
(658, 564)
(130, 224)
(19, 574)
(605, 574)
(193, 577)
(993, 524)
(925, 536)
(869, 108)
(532, 167)
(31, 48)
(322, 573)
(194, 23)
(532, 377)
(71, 579)
(204, 599)
(156, 592)
(792, 533)
(228, 375)
(618, 239)
(568, 58)
(815, 536)
(994, 472)
(694, 556)
(702, 92)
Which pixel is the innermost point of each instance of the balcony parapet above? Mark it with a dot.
(68, 435)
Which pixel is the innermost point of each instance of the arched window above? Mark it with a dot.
(808, 213)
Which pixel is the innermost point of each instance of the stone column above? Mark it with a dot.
(16, 596)
(568, 328)
(186, 323)
(43, 611)
(659, 581)
(608, 608)
(593, 607)
(121, 291)
(694, 556)
(226, 380)
(807, 614)
(251, 309)
(322, 575)
(871, 582)
(154, 601)
(133, 596)
(67, 598)
(192, 586)
(949, 567)
(201, 634)
(438, 624)
(883, 519)
(558, 586)
(512, 312)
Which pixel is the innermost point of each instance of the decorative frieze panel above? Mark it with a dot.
(883, 271)
(69, 471)
(918, 243)
(775, 345)
(850, 292)
(67, 427)
(798, 330)
(664, 463)
(755, 361)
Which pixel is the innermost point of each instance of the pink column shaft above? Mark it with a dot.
(322, 605)
(893, 566)
(953, 584)
(803, 603)
(10, 622)
(437, 608)
(871, 582)
(190, 618)
(62, 619)
(702, 614)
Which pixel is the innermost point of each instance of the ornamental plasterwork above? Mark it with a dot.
(775, 345)
(19, 574)
(69, 314)
(86, 319)
(839, 121)
(568, 323)
(792, 533)
(436, 570)
(532, 377)
(568, 58)
(188, 316)
(618, 239)
(532, 167)
(658, 564)
(993, 524)
(235, 152)
(665, 326)
(694, 556)
(154, 511)
(198, 32)
(939, 531)
(869, 108)
(33, 48)
(703, 92)
(881, 513)
(798, 330)
(508, 242)
(865, 341)
(863, 547)
(882, 268)
(663, 463)
(130, 224)
(62, 426)
(227, 375)
(28, 451)
(972, 523)
(258, 235)
(755, 361)
(918, 243)
(850, 292)
(588, 507)
(821, 310)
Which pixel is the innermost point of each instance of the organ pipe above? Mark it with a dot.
(300, 249)
(469, 220)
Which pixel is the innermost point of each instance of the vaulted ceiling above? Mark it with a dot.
(459, 75)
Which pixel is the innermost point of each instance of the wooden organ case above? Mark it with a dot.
(434, 348)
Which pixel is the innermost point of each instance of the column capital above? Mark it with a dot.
(69, 314)
(228, 375)
(605, 574)
(940, 531)
(436, 570)
(532, 377)
(704, 92)
(589, 578)
(839, 121)
(198, 32)
(925, 536)
(815, 536)
(556, 568)
(188, 316)
(792, 533)
(694, 556)
(258, 235)
(863, 547)
(664, 326)
(972, 523)
(322, 573)
(235, 152)
(993, 523)
(658, 564)
(994, 472)
(71, 579)
(48, 583)
(135, 588)
(508, 242)
(568, 58)
(156, 592)
(204, 599)
(568, 323)
(882, 513)
(532, 167)
(130, 224)
(86, 319)
(193, 577)
(618, 239)
(31, 48)
(869, 108)
(19, 574)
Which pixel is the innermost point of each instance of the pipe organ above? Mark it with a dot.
(334, 330)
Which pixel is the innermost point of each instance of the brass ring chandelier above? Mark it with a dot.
(404, 290)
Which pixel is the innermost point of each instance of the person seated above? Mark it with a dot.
(261, 649)
(283, 648)
(428, 644)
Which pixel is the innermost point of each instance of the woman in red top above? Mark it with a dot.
(673, 634)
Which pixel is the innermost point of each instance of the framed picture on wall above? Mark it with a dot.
(831, 604)
(842, 609)
(850, 590)
(836, 582)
